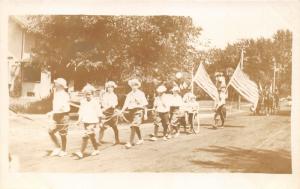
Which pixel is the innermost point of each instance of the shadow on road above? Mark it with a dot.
(284, 113)
(236, 159)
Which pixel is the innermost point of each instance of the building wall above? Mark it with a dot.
(40, 89)
(20, 44)
(15, 40)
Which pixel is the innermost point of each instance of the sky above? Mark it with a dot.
(228, 25)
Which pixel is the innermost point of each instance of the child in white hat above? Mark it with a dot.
(109, 102)
(60, 114)
(162, 112)
(136, 103)
(175, 112)
(220, 109)
(89, 116)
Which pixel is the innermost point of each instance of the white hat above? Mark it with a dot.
(62, 82)
(134, 82)
(110, 84)
(161, 89)
(175, 88)
(88, 88)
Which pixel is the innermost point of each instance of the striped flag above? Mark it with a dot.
(203, 80)
(245, 86)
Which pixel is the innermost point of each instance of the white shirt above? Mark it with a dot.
(61, 101)
(191, 106)
(89, 111)
(187, 97)
(135, 99)
(162, 104)
(221, 100)
(109, 100)
(176, 100)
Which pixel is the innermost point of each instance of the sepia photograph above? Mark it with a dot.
(146, 94)
(207, 92)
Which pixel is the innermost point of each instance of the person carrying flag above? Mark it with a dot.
(220, 109)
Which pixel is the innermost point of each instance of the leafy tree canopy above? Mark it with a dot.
(113, 47)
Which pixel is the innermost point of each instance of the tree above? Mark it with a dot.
(113, 47)
(259, 58)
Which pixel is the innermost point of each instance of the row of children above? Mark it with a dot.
(168, 108)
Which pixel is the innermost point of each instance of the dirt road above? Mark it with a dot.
(254, 144)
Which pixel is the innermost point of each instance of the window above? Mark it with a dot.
(31, 74)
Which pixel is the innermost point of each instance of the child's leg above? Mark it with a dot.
(177, 128)
(63, 131)
(165, 123)
(190, 120)
(63, 142)
(101, 133)
(138, 132)
(157, 121)
(155, 130)
(93, 140)
(53, 137)
(84, 143)
(222, 118)
(132, 134)
(116, 132)
(215, 117)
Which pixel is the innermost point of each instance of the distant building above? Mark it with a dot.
(24, 80)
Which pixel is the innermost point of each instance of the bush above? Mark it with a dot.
(33, 107)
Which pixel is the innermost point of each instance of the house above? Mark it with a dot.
(24, 81)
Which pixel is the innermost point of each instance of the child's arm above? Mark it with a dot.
(146, 113)
(125, 104)
(80, 113)
(145, 103)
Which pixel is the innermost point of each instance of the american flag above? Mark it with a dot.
(203, 80)
(244, 86)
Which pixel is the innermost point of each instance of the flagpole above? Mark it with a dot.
(242, 65)
(274, 75)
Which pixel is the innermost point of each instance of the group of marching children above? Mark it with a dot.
(171, 111)
(168, 110)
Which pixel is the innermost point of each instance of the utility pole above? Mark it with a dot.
(274, 75)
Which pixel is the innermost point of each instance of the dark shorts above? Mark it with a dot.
(89, 129)
(161, 119)
(136, 116)
(109, 120)
(221, 111)
(61, 123)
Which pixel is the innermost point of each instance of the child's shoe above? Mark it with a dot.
(55, 152)
(79, 154)
(176, 135)
(139, 142)
(95, 152)
(128, 145)
(165, 138)
(153, 138)
(62, 153)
